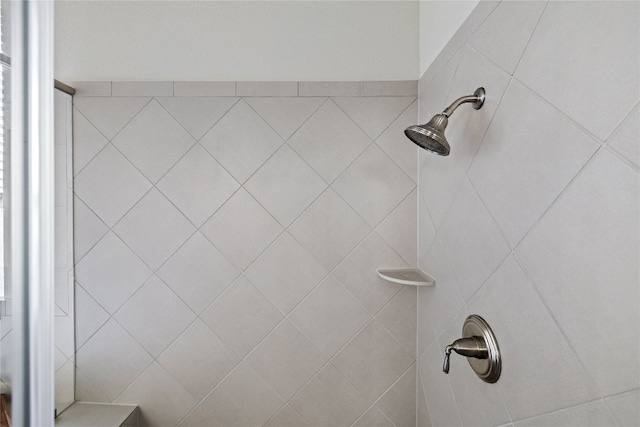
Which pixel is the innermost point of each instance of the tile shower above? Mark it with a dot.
(227, 236)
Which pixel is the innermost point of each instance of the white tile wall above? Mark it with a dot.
(536, 230)
(227, 253)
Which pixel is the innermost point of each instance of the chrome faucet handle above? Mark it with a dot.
(469, 347)
(480, 347)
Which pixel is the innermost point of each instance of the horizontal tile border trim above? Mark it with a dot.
(246, 88)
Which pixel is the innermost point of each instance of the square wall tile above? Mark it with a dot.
(242, 399)
(154, 229)
(329, 399)
(198, 360)
(373, 185)
(198, 185)
(515, 155)
(285, 186)
(285, 273)
(241, 229)
(607, 28)
(111, 273)
(242, 316)
(241, 141)
(358, 273)
(329, 229)
(198, 272)
(101, 361)
(373, 360)
(329, 316)
(110, 185)
(329, 141)
(153, 141)
(286, 360)
(155, 304)
(578, 253)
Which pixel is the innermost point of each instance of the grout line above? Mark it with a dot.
(530, 38)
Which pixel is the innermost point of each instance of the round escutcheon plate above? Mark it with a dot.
(487, 369)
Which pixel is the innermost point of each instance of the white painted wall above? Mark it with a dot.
(243, 40)
(439, 20)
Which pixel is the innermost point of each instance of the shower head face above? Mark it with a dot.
(430, 136)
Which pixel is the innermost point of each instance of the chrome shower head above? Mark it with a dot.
(430, 136)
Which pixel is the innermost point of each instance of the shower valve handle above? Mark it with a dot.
(479, 344)
(470, 347)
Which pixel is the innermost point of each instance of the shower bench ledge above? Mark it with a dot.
(87, 414)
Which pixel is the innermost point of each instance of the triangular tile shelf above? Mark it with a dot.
(406, 276)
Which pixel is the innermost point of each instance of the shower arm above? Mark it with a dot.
(477, 98)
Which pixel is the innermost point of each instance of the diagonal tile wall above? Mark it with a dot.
(532, 221)
(226, 253)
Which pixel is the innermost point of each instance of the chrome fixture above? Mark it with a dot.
(479, 345)
(430, 136)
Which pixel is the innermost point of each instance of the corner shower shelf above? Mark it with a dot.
(406, 276)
